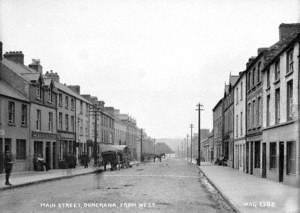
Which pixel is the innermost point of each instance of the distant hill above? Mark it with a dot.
(163, 148)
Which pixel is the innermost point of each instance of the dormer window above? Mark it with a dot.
(290, 62)
(38, 92)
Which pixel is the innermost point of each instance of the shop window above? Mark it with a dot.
(291, 157)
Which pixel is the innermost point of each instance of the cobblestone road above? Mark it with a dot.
(168, 186)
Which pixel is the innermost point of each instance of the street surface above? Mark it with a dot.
(168, 186)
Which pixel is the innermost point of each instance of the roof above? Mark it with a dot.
(66, 89)
(219, 102)
(276, 49)
(9, 91)
(27, 73)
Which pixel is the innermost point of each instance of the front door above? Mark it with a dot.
(1, 156)
(54, 155)
(247, 157)
(264, 161)
(281, 161)
(251, 158)
(48, 155)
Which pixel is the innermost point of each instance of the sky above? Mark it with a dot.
(152, 59)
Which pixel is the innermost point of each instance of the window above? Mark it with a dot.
(241, 96)
(249, 80)
(11, 112)
(241, 124)
(253, 77)
(237, 125)
(67, 122)
(67, 102)
(50, 95)
(50, 122)
(72, 104)
(237, 95)
(291, 157)
(249, 116)
(81, 107)
(277, 106)
(87, 109)
(38, 119)
(272, 155)
(253, 115)
(257, 154)
(20, 149)
(258, 111)
(73, 123)
(60, 100)
(290, 62)
(289, 100)
(60, 120)
(39, 92)
(277, 70)
(268, 78)
(258, 72)
(268, 111)
(24, 115)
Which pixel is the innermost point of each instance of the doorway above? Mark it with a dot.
(1, 156)
(251, 158)
(264, 161)
(54, 155)
(281, 161)
(48, 155)
(247, 157)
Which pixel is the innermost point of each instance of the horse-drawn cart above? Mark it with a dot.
(115, 155)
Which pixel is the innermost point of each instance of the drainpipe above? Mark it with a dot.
(298, 115)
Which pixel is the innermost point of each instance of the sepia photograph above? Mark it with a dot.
(152, 106)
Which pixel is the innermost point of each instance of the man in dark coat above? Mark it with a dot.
(8, 166)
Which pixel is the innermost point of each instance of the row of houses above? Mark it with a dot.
(40, 116)
(256, 123)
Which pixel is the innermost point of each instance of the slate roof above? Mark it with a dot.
(9, 91)
(276, 49)
(27, 73)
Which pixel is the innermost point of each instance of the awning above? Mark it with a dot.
(109, 147)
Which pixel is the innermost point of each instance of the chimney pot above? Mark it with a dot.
(17, 57)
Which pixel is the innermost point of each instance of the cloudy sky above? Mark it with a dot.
(152, 59)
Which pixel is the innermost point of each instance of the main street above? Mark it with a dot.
(172, 185)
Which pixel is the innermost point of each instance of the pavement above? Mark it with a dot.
(170, 186)
(249, 194)
(20, 179)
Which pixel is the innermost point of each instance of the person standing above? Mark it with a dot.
(8, 166)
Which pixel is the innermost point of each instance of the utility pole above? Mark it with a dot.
(95, 111)
(191, 143)
(199, 132)
(187, 147)
(142, 158)
(154, 145)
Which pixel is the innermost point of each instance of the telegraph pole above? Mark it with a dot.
(142, 159)
(199, 132)
(191, 143)
(95, 111)
(187, 147)
(154, 146)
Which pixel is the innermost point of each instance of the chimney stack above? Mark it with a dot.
(75, 88)
(36, 65)
(52, 75)
(15, 56)
(261, 49)
(288, 30)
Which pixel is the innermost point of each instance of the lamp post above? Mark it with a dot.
(199, 132)
(95, 110)
(187, 147)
